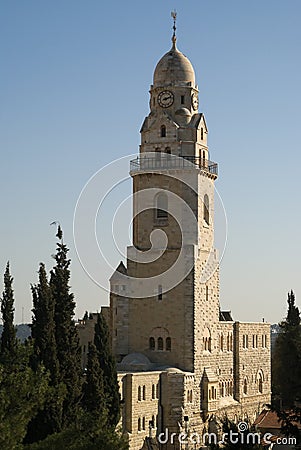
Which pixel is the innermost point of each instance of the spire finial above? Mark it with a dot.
(174, 38)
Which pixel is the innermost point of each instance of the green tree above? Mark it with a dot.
(22, 394)
(43, 325)
(286, 360)
(94, 398)
(108, 366)
(49, 418)
(86, 435)
(8, 338)
(66, 336)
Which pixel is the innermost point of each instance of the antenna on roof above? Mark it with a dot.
(174, 16)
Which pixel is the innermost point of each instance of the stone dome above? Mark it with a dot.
(174, 68)
(135, 362)
(183, 112)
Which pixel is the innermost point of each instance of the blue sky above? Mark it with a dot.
(74, 83)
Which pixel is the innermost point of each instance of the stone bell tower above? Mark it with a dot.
(172, 270)
(182, 362)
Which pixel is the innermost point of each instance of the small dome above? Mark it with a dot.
(135, 361)
(174, 68)
(183, 112)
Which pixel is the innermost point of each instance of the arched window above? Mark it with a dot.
(168, 344)
(206, 209)
(144, 392)
(151, 343)
(139, 424)
(260, 382)
(160, 343)
(245, 386)
(139, 393)
(161, 206)
(207, 340)
(163, 131)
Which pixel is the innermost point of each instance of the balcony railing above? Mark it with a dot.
(169, 162)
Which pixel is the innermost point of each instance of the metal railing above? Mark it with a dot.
(167, 162)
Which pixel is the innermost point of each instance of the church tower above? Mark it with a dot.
(182, 361)
(172, 267)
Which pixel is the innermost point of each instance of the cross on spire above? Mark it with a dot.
(174, 16)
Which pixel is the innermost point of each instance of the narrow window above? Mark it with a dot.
(143, 423)
(245, 386)
(260, 383)
(157, 390)
(168, 344)
(160, 343)
(163, 131)
(202, 134)
(139, 424)
(206, 209)
(160, 294)
(207, 293)
(182, 99)
(139, 393)
(143, 392)
(151, 343)
(161, 206)
(222, 342)
(153, 391)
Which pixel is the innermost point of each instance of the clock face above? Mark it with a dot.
(195, 101)
(165, 99)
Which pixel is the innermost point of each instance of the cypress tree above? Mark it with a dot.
(43, 325)
(66, 336)
(8, 338)
(286, 361)
(293, 313)
(108, 366)
(94, 399)
(49, 418)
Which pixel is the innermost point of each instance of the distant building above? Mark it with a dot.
(182, 361)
